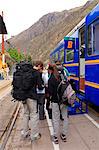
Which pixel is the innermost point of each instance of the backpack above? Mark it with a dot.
(22, 80)
(65, 93)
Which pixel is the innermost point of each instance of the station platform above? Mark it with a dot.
(4, 83)
(82, 135)
(5, 87)
(83, 132)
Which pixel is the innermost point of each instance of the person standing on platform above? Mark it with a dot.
(53, 83)
(60, 67)
(32, 81)
(41, 93)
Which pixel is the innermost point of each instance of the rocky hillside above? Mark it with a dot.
(43, 36)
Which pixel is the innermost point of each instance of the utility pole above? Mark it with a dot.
(3, 48)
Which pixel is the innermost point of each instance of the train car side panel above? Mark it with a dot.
(92, 57)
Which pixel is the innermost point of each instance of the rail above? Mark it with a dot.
(5, 135)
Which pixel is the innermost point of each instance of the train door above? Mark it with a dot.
(72, 58)
(82, 58)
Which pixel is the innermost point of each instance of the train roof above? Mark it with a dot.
(58, 47)
(94, 14)
(79, 25)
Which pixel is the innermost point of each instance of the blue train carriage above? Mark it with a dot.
(84, 58)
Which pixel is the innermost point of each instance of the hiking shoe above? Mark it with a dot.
(36, 137)
(63, 137)
(55, 139)
(42, 118)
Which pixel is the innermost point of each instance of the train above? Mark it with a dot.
(79, 53)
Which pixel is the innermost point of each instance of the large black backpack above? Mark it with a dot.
(22, 80)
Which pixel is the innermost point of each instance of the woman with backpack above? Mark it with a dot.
(53, 83)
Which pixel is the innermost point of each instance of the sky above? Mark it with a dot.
(21, 14)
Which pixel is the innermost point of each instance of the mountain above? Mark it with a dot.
(40, 39)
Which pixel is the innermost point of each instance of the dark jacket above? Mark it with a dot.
(37, 82)
(52, 88)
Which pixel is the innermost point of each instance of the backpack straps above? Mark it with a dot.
(63, 75)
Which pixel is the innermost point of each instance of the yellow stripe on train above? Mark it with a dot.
(91, 62)
(92, 84)
(75, 78)
(70, 65)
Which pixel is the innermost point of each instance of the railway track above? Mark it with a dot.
(5, 136)
(8, 111)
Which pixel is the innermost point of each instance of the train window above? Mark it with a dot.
(96, 38)
(56, 56)
(69, 55)
(52, 59)
(82, 41)
(90, 49)
(93, 40)
(62, 55)
(82, 35)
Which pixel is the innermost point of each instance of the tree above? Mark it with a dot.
(18, 56)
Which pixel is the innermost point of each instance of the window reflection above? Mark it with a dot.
(93, 39)
(70, 55)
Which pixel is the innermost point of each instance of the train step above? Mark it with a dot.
(72, 109)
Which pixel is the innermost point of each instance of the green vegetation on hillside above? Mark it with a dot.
(18, 56)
